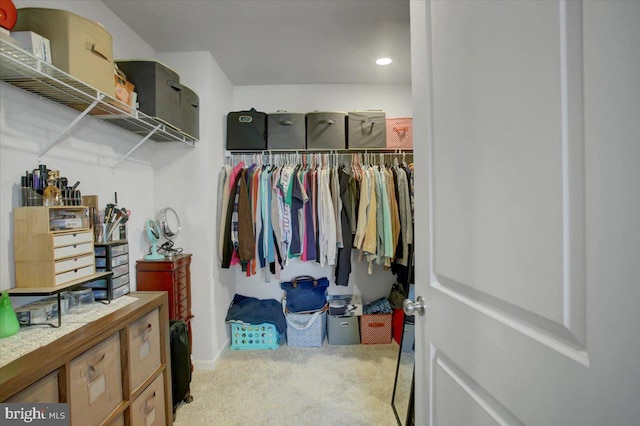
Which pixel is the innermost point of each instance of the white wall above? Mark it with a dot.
(155, 176)
(395, 100)
(190, 188)
(87, 154)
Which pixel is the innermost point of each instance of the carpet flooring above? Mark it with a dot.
(331, 385)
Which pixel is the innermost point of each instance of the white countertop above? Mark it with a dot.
(31, 338)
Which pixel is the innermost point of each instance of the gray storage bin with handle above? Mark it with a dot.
(326, 130)
(286, 130)
(189, 112)
(158, 88)
(247, 130)
(367, 129)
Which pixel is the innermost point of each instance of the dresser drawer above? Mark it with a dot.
(123, 259)
(182, 309)
(180, 273)
(182, 293)
(44, 390)
(71, 239)
(144, 348)
(148, 408)
(73, 250)
(96, 383)
(75, 274)
(115, 250)
(118, 271)
(73, 263)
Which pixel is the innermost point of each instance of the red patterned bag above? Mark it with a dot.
(375, 329)
(400, 133)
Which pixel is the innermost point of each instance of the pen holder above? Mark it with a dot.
(104, 232)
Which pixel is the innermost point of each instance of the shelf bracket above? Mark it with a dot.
(131, 151)
(71, 125)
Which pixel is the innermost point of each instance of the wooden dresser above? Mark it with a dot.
(111, 371)
(172, 275)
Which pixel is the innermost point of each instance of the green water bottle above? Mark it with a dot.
(9, 324)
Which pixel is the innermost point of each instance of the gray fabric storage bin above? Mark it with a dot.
(247, 130)
(326, 130)
(343, 330)
(189, 112)
(286, 130)
(158, 88)
(367, 129)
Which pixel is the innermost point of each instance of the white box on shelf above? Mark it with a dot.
(34, 43)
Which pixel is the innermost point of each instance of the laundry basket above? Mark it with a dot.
(254, 336)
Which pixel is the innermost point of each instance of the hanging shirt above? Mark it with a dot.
(223, 203)
(343, 265)
(298, 198)
(371, 232)
(363, 207)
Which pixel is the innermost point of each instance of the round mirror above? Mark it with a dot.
(169, 222)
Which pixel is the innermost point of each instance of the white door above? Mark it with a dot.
(528, 247)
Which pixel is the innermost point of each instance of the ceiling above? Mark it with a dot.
(260, 42)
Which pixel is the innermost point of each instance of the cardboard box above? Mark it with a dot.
(345, 305)
(343, 330)
(34, 43)
(79, 46)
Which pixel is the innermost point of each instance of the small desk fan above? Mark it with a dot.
(152, 234)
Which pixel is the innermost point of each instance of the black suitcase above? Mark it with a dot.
(180, 363)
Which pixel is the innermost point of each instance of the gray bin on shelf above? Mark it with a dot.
(189, 112)
(158, 88)
(326, 130)
(366, 129)
(286, 130)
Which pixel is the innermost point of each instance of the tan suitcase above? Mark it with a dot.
(79, 47)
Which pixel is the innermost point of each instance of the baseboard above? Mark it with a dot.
(210, 364)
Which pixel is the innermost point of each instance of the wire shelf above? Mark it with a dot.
(25, 71)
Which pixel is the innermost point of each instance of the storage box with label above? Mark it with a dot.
(247, 130)
(375, 329)
(400, 133)
(345, 305)
(343, 330)
(79, 46)
(157, 87)
(34, 43)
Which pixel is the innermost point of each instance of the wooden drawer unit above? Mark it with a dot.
(95, 383)
(103, 369)
(172, 275)
(44, 390)
(147, 409)
(48, 254)
(144, 348)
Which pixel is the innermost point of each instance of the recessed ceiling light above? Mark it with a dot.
(383, 61)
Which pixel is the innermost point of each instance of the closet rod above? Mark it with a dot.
(323, 151)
